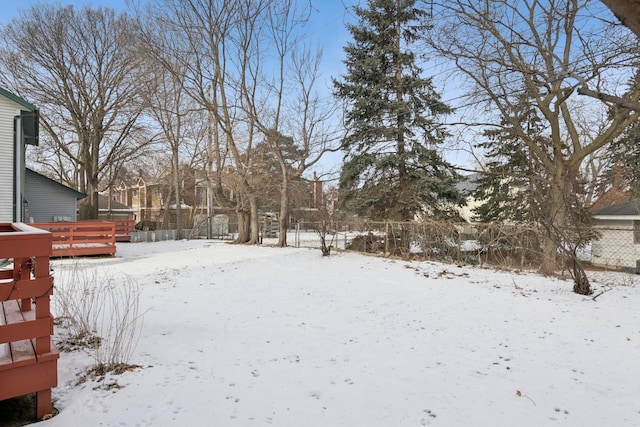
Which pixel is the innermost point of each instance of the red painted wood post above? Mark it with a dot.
(44, 406)
(43, 403)
(43, 303)
(24, 273)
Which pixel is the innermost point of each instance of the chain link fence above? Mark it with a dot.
(617, 247)
(501, 245)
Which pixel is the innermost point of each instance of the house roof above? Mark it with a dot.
(630, 208)
(468, 183)
(17, 99)
(41, 177)
(103, 204)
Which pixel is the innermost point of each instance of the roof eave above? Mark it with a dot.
(15, 98)
(617, 217)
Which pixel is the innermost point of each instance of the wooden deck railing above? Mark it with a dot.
(81, 238)
(124, 228)
(28, 358)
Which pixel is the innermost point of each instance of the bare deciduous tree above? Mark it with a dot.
(628, 11)
(218, 42)
(170, 109)
(297, 129)
(82, 68)
(529, 54)
(238, 58)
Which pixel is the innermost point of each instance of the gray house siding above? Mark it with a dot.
(48, 200)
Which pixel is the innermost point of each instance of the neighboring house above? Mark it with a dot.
(147, 198)
(332, 200)
(46, 200)
(467, 186)
(619, 243)
(110, 208)
(316, 193)
(616, 193)
(18, 128)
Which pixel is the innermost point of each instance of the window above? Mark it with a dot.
(636, 232)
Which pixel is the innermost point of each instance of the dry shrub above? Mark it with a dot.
(100, 312)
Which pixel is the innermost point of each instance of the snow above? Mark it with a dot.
(249, 336)
(80, 245)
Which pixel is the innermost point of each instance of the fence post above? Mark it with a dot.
(297, 239)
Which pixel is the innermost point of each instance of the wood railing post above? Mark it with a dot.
(24, 273)
(43, 302)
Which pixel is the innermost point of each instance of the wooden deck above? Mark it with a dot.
(28, 358)
(124, 228)
(82, 238)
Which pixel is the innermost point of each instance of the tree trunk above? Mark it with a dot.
(581, 283)
(92, 183)
(549, 248)
(255, 226)
(176, 185)
(166, 211)
(554, 215)
(91, 211)
(405, 214)
(243, 224)
(283, 221)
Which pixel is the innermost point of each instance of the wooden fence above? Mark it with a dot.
(28, 358)
(70, 239)
(124, 228)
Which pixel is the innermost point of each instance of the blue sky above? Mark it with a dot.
(327, 26)
(326, 29)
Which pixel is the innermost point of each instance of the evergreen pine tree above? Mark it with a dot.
(512, 188)
(391, 167)
(516, 187)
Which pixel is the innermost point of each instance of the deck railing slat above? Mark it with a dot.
(81, 238)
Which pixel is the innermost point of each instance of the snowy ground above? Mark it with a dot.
(250, 336)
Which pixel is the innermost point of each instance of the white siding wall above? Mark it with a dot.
(615, 248)
(466, 211)
(8, 109)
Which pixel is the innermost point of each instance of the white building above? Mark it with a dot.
(26, 195)
(619, 243)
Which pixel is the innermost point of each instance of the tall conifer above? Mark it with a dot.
(391, 167)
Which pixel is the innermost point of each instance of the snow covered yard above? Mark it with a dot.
(244, 336)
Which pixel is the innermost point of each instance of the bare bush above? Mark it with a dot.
(100, 312)
(500, 245)
(324, 230)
